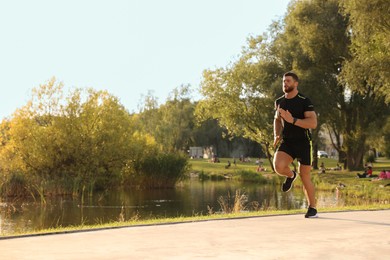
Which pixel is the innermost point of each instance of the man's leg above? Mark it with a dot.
(308, 186)
(282, 163)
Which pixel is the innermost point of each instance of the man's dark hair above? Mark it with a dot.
(291, 74)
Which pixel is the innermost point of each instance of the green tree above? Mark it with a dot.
(319, 32)
(384, 142)
(148, 117)
(369, 28)
(177, 120)
(313, 40)
(366, 74)
(240, 97)
(172, 123)
(314, 44)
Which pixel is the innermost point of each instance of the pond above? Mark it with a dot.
(190, 198)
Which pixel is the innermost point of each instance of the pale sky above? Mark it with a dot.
(127, 47)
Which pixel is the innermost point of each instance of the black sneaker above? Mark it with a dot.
(311, 213)
(287, 184)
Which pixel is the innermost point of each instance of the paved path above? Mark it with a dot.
(342, 235)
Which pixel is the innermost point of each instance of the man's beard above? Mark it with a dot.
(288, 89)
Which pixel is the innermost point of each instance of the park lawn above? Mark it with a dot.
(204, 165)
(243, 171)
(344, 180)
(210, 167)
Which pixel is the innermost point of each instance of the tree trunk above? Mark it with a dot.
(315, 157)
(269, 156)
(343, 158)
(355, 161)
(355, 152)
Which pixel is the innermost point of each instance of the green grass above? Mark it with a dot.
(354, 190)
(204, 164)
(240, 171)
(162, 221)
(206, 168)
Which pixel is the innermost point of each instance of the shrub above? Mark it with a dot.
(250, 176)
(14, 185)
(370, 157)
(233, 204)
(162, 170)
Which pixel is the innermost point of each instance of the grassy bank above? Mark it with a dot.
(162, 221)
(207, 170)
(244, 171)
(356, 191)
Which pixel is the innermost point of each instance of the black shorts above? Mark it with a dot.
(300, 150)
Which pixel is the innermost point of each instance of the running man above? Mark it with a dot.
(294, 118)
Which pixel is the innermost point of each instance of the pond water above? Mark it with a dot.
(190, 198)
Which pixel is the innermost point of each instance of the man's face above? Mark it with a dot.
(289, 84)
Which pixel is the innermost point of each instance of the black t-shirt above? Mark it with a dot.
(297, 106)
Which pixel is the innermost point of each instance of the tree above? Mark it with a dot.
(369, 28)
(320, 31)
(148, 117)
(240, 97)
(367, 72)
(314, 44)
(172, 123)
(177, 120)
(312, 40)
(384, 142)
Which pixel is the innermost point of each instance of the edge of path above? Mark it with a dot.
(166, 223)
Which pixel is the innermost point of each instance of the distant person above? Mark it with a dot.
(382, 176)
(322, 168)
(367, 173)
(228, 165)
(338, 167)
(294, 118)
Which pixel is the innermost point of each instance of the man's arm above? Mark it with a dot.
(309, 122)
(278, 127)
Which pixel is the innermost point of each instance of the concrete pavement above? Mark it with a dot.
(340, 235)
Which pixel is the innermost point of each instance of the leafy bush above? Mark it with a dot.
(370, 158)
(251, 176)
(162, 170)
(14, 185)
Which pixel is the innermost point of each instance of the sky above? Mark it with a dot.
(127, 47)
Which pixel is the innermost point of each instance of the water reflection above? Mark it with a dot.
(188, 199)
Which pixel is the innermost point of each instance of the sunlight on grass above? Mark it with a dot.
(176, 220)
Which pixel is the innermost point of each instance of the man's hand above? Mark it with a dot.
(286, 115)
(276, 140)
